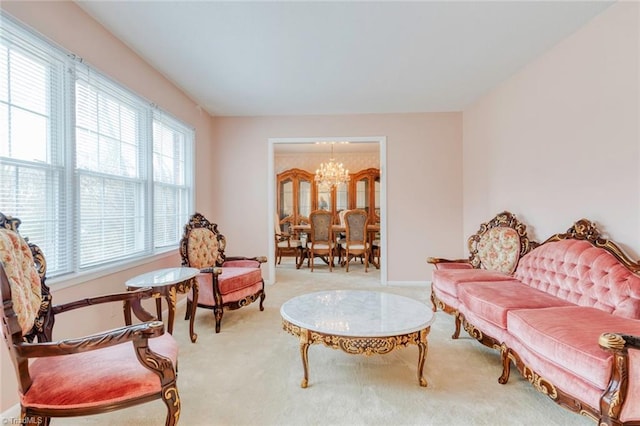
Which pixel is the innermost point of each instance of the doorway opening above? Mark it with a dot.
(306, 146)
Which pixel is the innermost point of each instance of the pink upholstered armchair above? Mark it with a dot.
(88, 375)
(224, 282)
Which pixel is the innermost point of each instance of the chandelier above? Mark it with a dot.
(331, 174)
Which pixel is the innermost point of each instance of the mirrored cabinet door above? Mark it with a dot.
(304, 200)
(299, 195)
(342, 200)
(365, 193)
(285, 204)
(295, 193)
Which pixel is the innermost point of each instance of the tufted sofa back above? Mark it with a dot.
(579, 272)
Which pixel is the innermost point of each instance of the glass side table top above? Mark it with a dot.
(357, 313)
(162, 277)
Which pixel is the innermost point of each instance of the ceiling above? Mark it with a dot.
(240, 58)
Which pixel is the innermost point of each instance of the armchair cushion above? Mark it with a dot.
(235, 279)
(98, 377)
(19, 266)
(232, 283)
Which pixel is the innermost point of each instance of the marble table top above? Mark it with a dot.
(357, 313)
(162, 277)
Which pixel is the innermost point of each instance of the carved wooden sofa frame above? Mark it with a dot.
(612, 400)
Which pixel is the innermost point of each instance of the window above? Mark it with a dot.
(96, 173)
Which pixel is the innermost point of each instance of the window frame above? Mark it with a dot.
(66, 220)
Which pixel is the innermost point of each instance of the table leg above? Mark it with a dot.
(194, 305)
(303, 255)
(422, 354)
(305, 337)
(171, 301)
(159, 308)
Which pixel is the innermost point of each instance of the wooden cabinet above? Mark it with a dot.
(296, 192)
(298, 195)
(364, 193)
(334, 200)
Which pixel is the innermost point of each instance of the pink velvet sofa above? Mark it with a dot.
(567, 317)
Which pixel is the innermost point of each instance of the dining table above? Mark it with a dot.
(372, 230)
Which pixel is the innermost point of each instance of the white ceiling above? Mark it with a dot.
(339, 57)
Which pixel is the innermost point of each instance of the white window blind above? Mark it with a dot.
(111, 171)
(97, 174)
(32, 137)
(172, 178)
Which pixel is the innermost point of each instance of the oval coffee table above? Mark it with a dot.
(358, 322)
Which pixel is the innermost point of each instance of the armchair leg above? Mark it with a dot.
(172, 400)
(217, 312)
(262, 297)
(27, 418)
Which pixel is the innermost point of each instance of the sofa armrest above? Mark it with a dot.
(441, 263)
(621, 399)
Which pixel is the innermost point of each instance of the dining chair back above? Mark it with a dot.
(286, 243)
(320, 240)
(356, 242)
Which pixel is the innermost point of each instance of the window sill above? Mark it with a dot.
(70, 280)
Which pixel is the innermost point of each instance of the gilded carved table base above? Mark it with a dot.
(359, 346)
(169, 293)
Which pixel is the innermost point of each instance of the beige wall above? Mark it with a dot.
(66, 24)
(423, 181)
(559, 141)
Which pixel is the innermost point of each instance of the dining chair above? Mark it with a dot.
(320, 239)
(340, 236)
(286, 244)
(356, 241)
(78, 376)
(375, 250)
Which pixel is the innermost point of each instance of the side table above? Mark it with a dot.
(167, 283)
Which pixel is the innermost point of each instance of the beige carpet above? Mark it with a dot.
(250, 373)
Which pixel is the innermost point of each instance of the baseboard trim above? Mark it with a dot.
(11, 416)
(409, 283)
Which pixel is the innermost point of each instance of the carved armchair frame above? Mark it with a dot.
(22, 347)
(196, 221)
